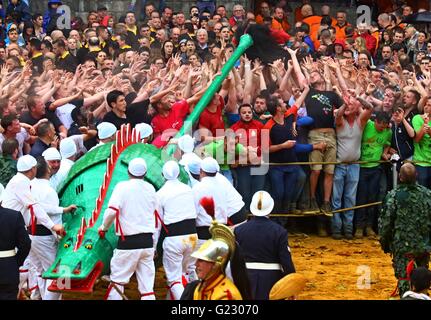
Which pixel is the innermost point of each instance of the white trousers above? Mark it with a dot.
(29, 278)
(177, 262)
(124, 264)
(42, 255)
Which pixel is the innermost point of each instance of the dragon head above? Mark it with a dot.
(81, 258)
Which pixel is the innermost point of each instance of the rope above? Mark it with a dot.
(338, 162)
(319, 213)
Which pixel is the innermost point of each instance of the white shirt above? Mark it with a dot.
(234, 199)
(79, 141)
(64, 113)
(176, 202)
(136, 200)
(210, 187)
(47, 197)
(17, 196)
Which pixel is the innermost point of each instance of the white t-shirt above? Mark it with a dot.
(64, 113)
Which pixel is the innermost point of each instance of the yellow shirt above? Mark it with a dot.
(221, 288)
(64, 55)
(134, 30)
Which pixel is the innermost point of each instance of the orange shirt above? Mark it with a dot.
(276, 25)
(314, 23)
(340, 32)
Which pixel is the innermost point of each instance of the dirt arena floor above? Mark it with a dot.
(336, 270)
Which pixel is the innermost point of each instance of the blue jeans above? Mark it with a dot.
(248, 185)
(424, 176)
(368, 191)
(283, 182)
(300, 183)
(228, 175)
(346, 178)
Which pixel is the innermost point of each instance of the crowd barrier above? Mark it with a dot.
(330, 214)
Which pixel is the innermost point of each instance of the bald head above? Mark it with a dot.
(408, 173)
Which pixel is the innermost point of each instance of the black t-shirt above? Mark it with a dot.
(37, 65)
(26, 117)
(138, 113)
(320, 106)
(81, 54)
(114, 119)
(280, 134)
(69, 63)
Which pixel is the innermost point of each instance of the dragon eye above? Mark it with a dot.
(88, 245)
(68, 243)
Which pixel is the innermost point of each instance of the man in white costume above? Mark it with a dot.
(44, 243)
(132, 204)
(178, 212)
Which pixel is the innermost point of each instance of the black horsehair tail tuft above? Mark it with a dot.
(264, 46)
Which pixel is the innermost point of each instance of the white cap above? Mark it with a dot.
(261, 204)
(186, 143)
(144, 129)
(106, 130)
(210, 165)
(67, 148)
(194, 167)
(171, 170)
(51, 154)
(26, 163)
(138, 167)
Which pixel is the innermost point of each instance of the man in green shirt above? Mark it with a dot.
(422, 145)
(376, 141)
(227, 152)
(10, 148)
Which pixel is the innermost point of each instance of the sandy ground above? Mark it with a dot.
(336, 270)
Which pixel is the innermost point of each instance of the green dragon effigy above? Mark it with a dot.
(82, 254)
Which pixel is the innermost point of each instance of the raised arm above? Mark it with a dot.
(296, 67)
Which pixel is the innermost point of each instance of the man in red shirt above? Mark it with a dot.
(249, 133)
(370, 41)
(170, 116)
(211, 124)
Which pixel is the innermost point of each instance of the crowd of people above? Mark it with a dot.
(345, 99)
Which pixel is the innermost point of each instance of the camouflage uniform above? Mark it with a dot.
(405, 229)
(7, 169)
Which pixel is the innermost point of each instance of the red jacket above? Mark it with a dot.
(280, 36)
(370, 42)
